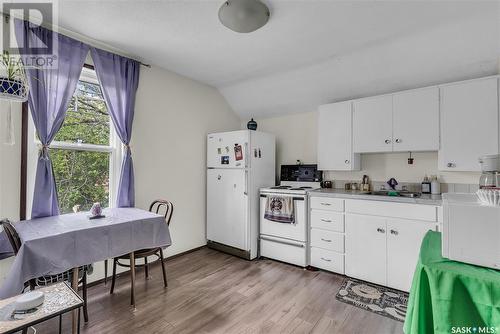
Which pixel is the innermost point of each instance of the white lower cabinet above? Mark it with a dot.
(383, 250)
(404, 238)
(375, 241)
(365, 241)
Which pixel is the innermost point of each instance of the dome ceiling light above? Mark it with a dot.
(243, 16)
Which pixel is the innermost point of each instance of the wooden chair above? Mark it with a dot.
(46, 280)
(159, 207)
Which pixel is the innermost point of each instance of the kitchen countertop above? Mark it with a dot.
(357, 194)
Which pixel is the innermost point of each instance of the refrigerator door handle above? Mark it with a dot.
(246, 155)
(246, 182)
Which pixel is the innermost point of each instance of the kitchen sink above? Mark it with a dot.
(393, 193)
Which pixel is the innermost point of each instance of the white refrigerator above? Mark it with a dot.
(239, 163)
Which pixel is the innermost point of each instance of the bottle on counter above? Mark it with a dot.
(435, 185)
(426, 186)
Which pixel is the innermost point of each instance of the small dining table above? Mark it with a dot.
(51, 245)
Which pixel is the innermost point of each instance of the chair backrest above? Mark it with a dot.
(12, 235)
(161, 205)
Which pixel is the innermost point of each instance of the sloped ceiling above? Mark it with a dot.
(311, 52)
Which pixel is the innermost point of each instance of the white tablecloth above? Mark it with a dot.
(52, 245)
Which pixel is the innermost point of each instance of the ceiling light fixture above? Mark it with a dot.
(243, 15)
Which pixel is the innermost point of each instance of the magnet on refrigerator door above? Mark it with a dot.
(224, 160)
(238, 152)
(260, 153)
(219, 150)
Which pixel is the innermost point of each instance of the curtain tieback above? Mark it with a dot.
(44, 151)
(126, 147)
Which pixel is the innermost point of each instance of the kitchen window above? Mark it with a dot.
(85, 152)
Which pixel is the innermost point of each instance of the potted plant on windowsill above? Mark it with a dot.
(13, 84)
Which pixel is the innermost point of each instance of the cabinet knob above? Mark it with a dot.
(387, 141)
(380, 230)
(326, 220)
(450, 165)
(327, 204)
(347, 161)
(326, 240)
(398, 140)
(394, 232)
(327, 260)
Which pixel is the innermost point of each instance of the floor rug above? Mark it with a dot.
(375, 298)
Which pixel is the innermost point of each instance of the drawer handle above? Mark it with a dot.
(327, 260)
(326, 240)
(380, 230)
(394, 232)
(325, 203)
(326, 220)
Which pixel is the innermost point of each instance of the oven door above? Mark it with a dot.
(297, 231)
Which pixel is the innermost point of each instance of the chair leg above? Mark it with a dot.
(113, 278)
(84, 290)
(163, 268)
(146, 267)
(105, 271)
(132, 279)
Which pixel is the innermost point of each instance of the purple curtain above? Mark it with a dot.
(51, 90)
(119, 78)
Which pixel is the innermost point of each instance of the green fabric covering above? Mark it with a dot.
(448, 296)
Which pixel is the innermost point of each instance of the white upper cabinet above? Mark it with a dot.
(469, 124)
(335, 138)
(416, 120)
(372, 124)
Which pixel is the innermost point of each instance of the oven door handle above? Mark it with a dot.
(294, 198)
(281, 241)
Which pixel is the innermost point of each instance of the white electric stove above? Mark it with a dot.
(288, 242)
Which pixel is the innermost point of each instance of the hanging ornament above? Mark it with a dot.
(13, 88)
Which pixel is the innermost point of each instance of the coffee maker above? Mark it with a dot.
(490, 176)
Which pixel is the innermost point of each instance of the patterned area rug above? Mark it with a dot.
(375, 298)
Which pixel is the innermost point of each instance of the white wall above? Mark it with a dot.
(10, 167)
(10, 162)
(173, 115)
(296, 137)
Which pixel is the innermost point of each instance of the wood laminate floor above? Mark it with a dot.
(212, 292)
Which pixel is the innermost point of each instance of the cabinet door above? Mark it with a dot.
(403, 246)
(469, 124)
(335, 138)
(372, 124)
(365, 248)
(416, 120)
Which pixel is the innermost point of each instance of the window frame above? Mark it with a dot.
(115, 150)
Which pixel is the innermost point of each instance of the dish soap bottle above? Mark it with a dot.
(435, 185)
(426, 186)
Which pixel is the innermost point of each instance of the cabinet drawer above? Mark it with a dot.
(327, 220)
(327, 240)
(327, 260)
(327, 203)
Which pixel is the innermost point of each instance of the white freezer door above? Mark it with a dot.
(221, 149)
(227, 207)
